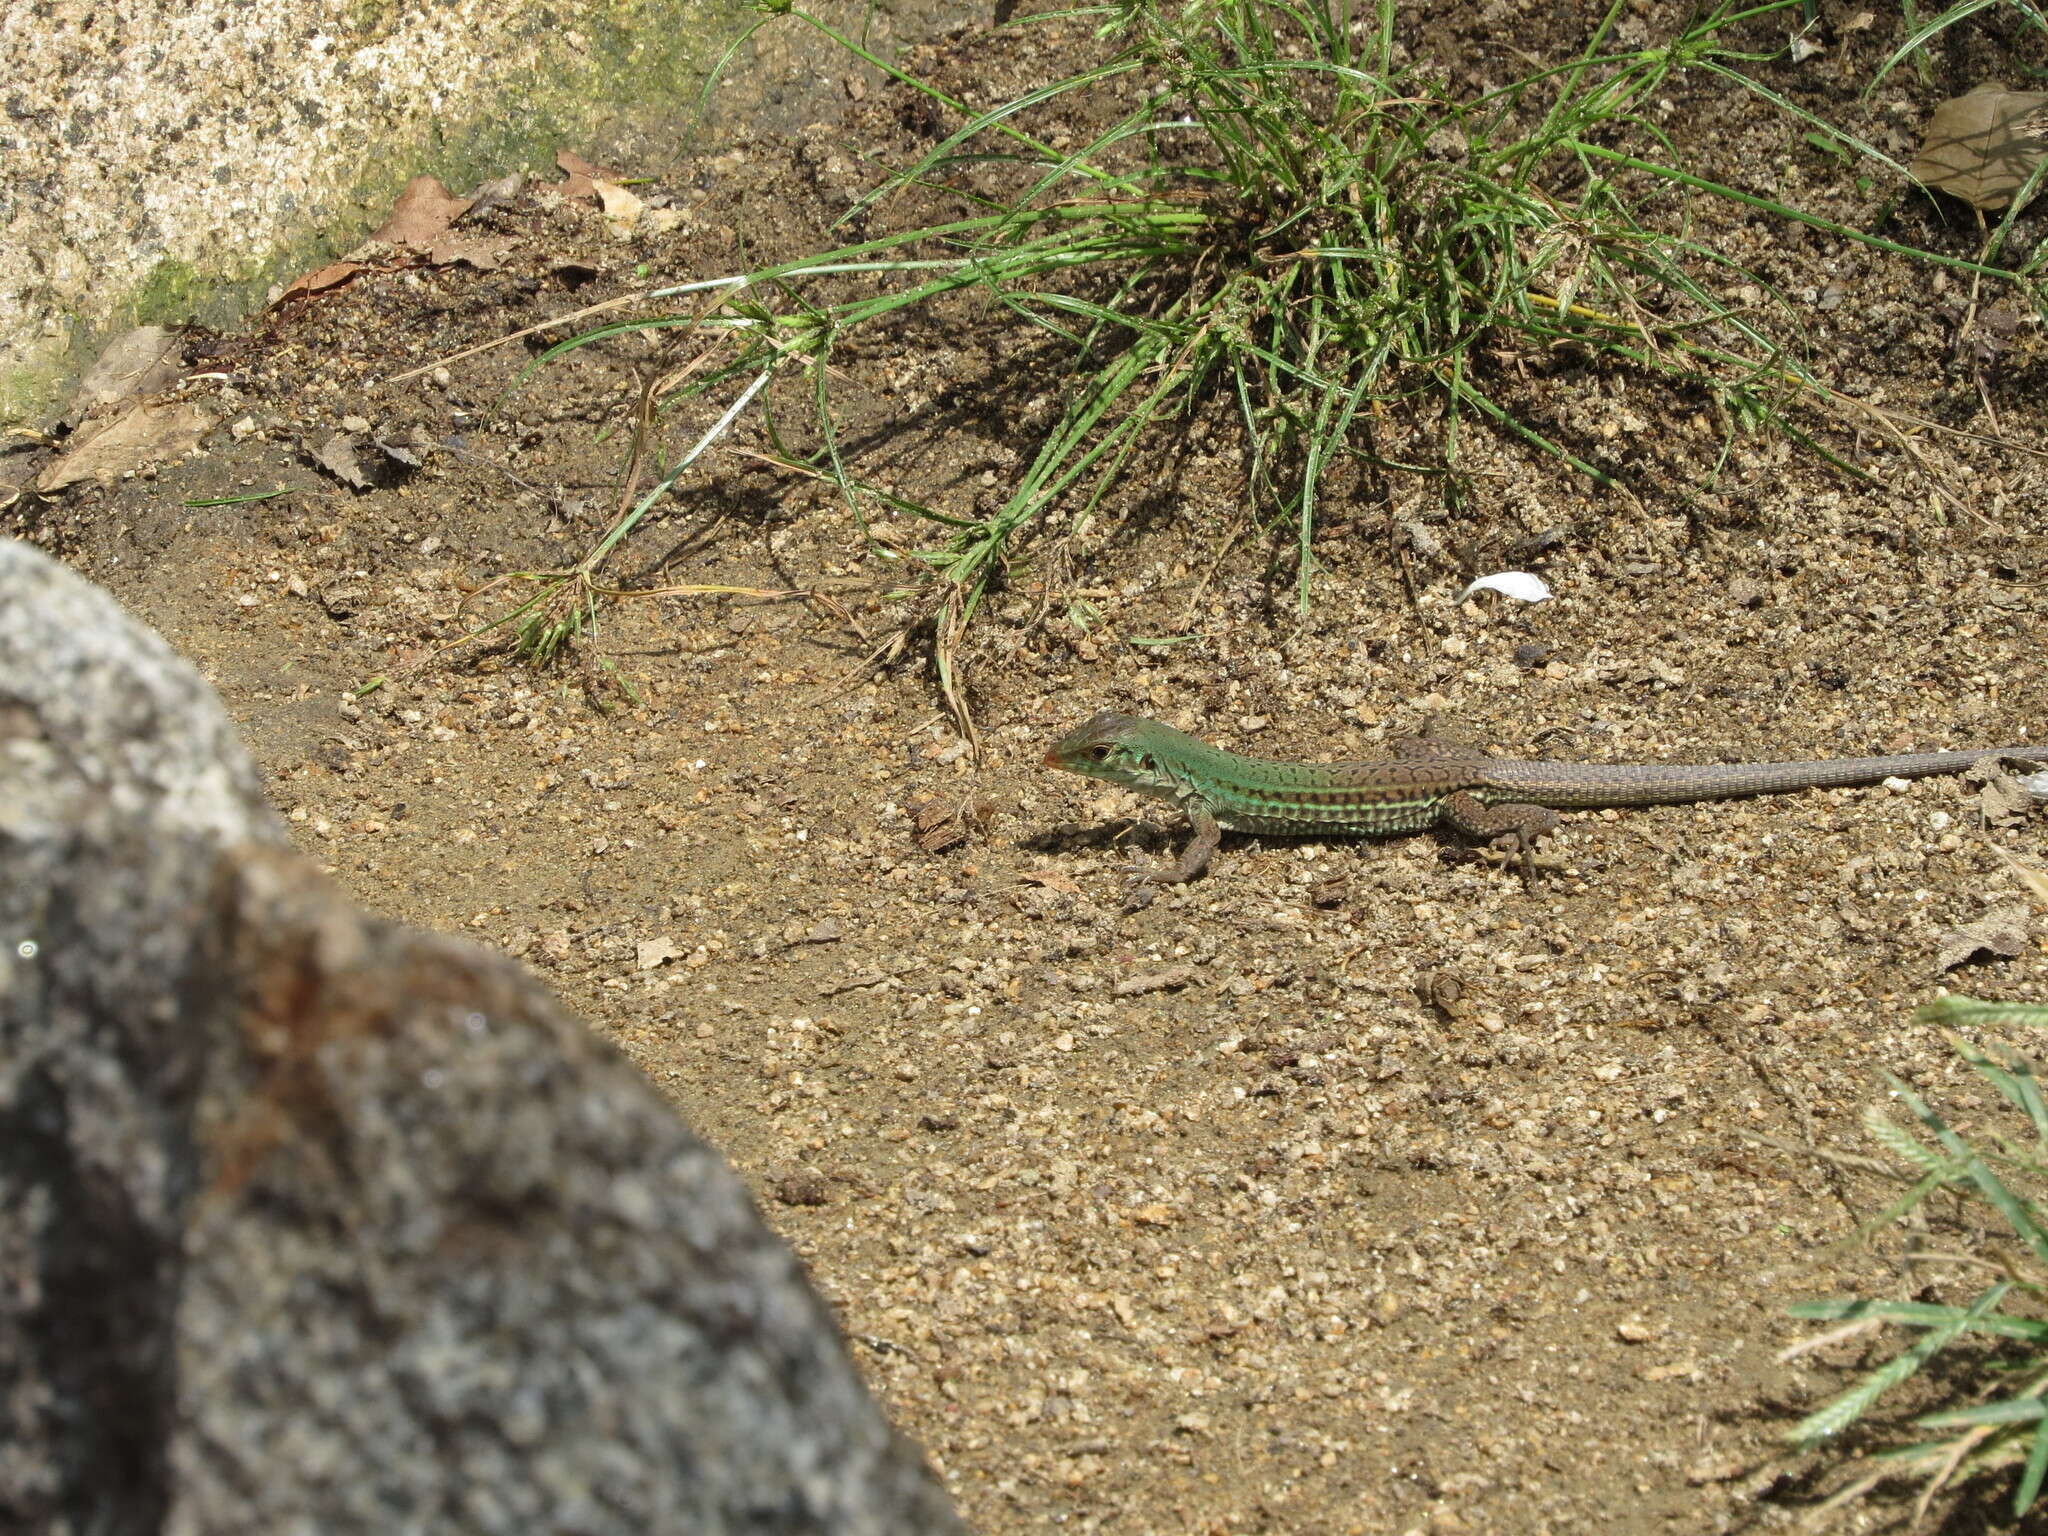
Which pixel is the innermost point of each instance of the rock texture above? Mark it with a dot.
(170, 161)
(313, 1222)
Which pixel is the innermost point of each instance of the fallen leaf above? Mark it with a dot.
(621, 208)
(942, 824)
(1981, 147)
(479, 251)
(145, 435)
(423, 212)
(1999, 935)
(333, 275)
(496, 194)
(2005, 800)
(1052, 880)
(579, 176)
(1168, 980)
(338, 457)
(141, 361)
(649, 953)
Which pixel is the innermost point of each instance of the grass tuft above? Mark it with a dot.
(1298, 219)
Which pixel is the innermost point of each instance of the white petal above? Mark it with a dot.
(1520, 585)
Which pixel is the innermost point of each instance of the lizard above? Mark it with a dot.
(1507, 801)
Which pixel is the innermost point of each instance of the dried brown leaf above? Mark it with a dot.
(141, 361)
(423, 212)
(621, 208)
(1981, 147)
(1052, 880)
(333, 275)
(145, 435)
(338, 457)
(1172, 979)
(579, 176)
(2000, 934)
(479, 251)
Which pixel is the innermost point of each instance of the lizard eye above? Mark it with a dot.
(1099, 752)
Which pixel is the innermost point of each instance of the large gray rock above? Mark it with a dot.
(311, 1222)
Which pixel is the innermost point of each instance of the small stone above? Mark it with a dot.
(803, 1186)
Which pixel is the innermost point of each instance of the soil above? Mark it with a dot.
(1353, 1188)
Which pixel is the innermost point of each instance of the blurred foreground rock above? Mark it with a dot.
(311, 1222)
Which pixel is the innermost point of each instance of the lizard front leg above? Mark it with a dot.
(1193, 859)
(1512, 828)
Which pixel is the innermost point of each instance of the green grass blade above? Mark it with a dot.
(1920, 1314)
(2037, 1467)
(1961, 1011)
(2020, 1410)
(1839, 1414)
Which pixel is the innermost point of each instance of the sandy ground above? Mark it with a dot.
(1350, 1189)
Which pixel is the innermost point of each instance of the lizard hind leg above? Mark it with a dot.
(1513, 828)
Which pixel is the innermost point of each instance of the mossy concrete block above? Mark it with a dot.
(169, 163)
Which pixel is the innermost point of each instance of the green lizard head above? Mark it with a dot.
(1113, 747)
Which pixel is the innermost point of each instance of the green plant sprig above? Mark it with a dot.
(2010, 1425)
